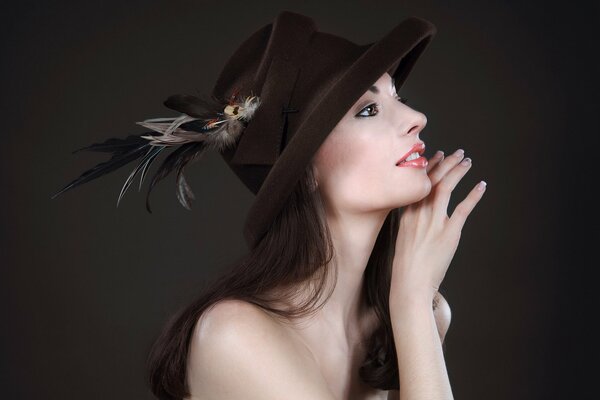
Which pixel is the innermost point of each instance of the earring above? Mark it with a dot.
(314, 184)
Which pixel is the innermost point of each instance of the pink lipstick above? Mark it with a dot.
(419, 162)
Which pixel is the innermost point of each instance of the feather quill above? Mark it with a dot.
(148, 158)
(176, 161)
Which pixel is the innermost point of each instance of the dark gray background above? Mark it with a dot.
(86, 286)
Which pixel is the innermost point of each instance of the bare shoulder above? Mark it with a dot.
(238, 350)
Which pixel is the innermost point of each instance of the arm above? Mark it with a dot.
(426, 242)
(239, 352)
(443, 317)
(421, 363)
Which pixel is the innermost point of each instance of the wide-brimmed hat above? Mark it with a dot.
(295, 84)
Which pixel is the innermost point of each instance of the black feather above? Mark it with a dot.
(144, 164)
(118, 145)
(124, 151)
(195, 106)
(176, 160)
(184, 191)
(133, 147)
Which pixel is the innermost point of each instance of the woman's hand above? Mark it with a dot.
(427, 237)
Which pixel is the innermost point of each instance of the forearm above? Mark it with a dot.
(421, 364)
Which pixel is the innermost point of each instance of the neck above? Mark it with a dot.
(345, 314)
(353, 237)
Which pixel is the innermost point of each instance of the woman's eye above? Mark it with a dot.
(372, 106)
(375, 107)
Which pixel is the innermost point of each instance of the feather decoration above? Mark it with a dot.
(205, 124)
(221, 132)
(177, 160)
(124, 151)
(198, 107)
(153, 151)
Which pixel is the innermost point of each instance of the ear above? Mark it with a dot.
(315, 173)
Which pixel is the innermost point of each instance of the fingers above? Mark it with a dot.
(445, 173)
(464, 208)
(444, 188)
(434, 160)
(444, 166)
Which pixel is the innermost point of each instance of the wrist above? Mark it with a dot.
(410, 299)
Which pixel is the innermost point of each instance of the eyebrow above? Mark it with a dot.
(375, 90)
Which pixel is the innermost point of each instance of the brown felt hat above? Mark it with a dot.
(297, 83)
(317, 76)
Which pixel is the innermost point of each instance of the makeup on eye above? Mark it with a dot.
(374, 89)
(402, 100)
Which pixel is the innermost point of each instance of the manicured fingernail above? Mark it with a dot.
(466, 161)
(439, 153)
(481, 185)
(459, 152)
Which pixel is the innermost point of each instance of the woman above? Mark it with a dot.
(238, 349)
(338, 296)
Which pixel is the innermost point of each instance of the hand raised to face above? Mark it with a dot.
(427, 237)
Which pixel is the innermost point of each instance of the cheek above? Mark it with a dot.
(360, 174)
(365, 169)
(356, 173)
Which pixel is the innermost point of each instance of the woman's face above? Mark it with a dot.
(355, 167)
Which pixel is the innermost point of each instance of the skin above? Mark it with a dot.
(356, 173)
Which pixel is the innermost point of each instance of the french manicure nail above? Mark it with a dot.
(439, 153)
(459, 152)
(466, 161)
(481, 185)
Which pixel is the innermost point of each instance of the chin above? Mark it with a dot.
(413, 192)
(417, 195)
(427, 187)
(424, 190)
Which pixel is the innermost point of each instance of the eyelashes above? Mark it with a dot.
(375, 106)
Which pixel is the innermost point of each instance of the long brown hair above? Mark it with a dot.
(274, 265)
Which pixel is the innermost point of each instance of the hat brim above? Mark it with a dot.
(395, 53)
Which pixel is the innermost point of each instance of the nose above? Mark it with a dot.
(417, 122)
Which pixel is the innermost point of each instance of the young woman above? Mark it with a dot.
(240, 351)
(349, 237)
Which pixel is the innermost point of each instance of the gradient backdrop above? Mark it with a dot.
(86, 287)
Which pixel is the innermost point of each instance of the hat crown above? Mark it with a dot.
(247, 67)
(289, 64)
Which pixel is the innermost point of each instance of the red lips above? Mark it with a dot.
(418, 147)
